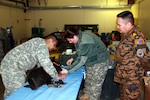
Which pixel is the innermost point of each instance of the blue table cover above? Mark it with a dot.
(68, 91)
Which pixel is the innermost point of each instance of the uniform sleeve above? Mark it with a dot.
(80, 61)
(46, 63)
(82, 56)
(143, 53)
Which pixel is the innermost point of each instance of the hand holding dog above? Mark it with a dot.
(62, 73)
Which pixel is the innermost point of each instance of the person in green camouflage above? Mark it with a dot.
(91, 52)
(132, 57)
(25, 57)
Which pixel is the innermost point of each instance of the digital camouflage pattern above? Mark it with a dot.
(132, 58)
(22, 58)
(95, 76)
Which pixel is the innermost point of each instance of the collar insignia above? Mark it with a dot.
(134, 34)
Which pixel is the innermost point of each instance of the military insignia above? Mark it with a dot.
(134, 34)
(140, 53)
(139, 41)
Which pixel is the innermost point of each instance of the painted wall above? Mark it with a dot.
(53, 20)
(15, 18)
(56, 19)
(144, 18)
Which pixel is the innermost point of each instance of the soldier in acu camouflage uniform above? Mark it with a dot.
(91, 52)
(24, 57)
(132, 57)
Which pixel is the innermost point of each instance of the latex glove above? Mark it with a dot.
(60, 76)
(69, 62)
(64, 71)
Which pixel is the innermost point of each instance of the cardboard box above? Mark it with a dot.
(146, 88)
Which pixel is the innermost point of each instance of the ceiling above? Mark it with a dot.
(42, 5)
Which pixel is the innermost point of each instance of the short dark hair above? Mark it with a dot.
(51, 36)
(127, 15)
(69, 33)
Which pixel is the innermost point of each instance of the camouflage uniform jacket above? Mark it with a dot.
(132, 57)
(25, 56)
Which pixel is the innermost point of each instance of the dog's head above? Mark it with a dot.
(38, 77)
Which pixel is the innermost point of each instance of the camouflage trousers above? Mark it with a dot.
(131, 90)
(95, 76)
(12, 79)
(12, 85)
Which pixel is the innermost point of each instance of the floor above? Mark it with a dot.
(1, 89)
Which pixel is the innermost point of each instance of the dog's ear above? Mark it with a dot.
(33, 84)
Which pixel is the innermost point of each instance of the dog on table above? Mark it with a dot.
(38, 77)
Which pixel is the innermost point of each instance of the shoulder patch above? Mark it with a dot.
(139, 41)
(140, 53)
